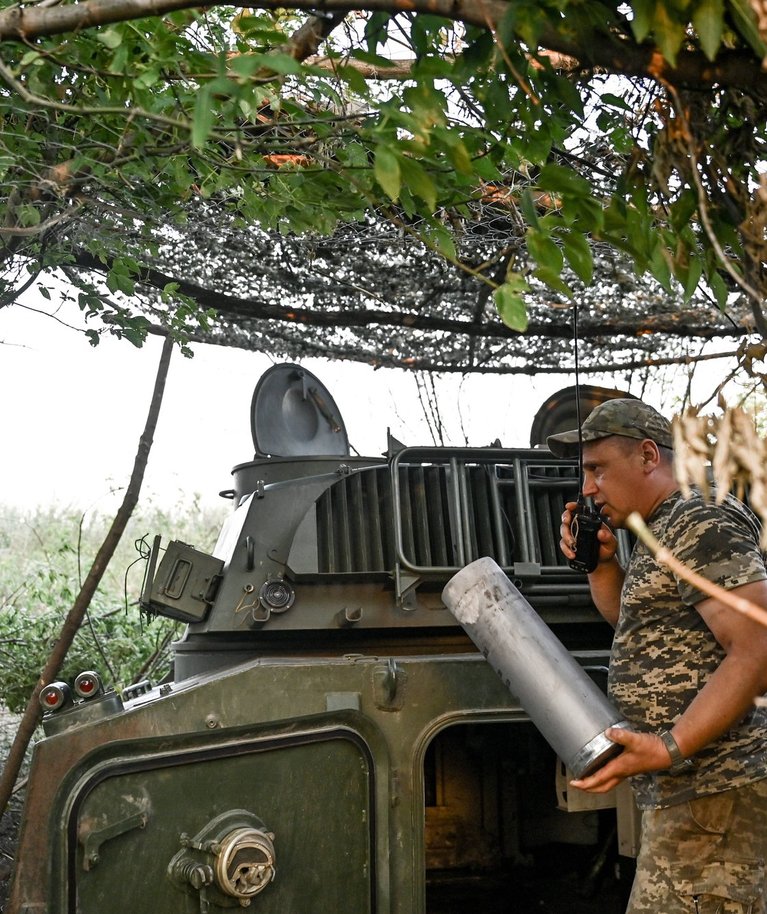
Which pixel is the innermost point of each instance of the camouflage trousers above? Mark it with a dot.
(706, 856)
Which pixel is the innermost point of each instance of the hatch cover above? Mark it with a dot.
(293, 415)
(560, 412)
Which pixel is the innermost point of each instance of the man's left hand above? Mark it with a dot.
(642, 752)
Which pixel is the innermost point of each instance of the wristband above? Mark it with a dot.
(678, 762)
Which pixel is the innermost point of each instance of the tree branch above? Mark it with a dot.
(76, 614)
(425, 363)
(252, 309)
(593, 49)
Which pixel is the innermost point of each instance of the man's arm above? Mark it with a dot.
(725, 699)
(606, 582)
(730, 690)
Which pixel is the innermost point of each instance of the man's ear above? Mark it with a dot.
(650, 454)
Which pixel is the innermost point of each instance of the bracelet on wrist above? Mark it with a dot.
(678, 762)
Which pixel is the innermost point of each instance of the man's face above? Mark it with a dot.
(613, 476)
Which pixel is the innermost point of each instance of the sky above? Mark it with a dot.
(72, 414)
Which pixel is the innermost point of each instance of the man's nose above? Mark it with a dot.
(589, 488)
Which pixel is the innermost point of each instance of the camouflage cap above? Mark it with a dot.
(629, 418)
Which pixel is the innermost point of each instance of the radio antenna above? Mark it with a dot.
(587, 521)
(578, 399)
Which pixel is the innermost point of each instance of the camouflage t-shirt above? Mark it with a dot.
(663, 651)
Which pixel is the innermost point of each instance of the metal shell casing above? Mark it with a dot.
(562, 701)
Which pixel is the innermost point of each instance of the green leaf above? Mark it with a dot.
(478, 48)
(569, 94)
(111, 38)
(669, 31)
(375, 60)
(426, 103)
(418, 181)
(443, 240)
(425, 32)
(355, 155)
(457, 151)
(148, 78)
(659, 266)
(615, 100)
(745, 20)
(578, 253)
(554, 281)
(28, 58)
(261, 30)
(377, 29)
(510, 303)
(528, 208)
(641, 23)
(719, 288)
(545, 251)
(246, 64)
(584, 212)
(387, 172)
(283, 64)
(564, 181)
(682, 209)
(27, 215)
(622, 140)
(496, 101)
(531, 24)
(408, 202)
(203, 118)
(119, 280)
(353, 78)
(693, 278)
(460, 158)
(708, 20)
(120, 59)
(486, 169)
(506, 28)
(134, 335)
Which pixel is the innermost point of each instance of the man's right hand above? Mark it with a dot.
(608, 544)
(607, 578)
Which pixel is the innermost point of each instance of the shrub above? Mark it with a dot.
(45, 554)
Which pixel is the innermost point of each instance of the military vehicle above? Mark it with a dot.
(330, 740)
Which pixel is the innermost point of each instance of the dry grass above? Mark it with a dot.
(725, 450)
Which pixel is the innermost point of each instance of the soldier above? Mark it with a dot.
(685, 670)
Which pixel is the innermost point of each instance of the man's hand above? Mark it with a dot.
(607, 578)
(608, 545)
(642, 752)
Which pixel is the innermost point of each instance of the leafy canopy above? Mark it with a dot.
(534, 148)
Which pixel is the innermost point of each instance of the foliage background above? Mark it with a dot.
(43, 555)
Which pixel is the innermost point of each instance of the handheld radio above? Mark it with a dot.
(584, 527)
(587, 521)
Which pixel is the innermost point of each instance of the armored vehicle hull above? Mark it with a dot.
(330, 739)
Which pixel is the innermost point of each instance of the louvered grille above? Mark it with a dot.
(549, 491)
(447, 514)
(354, 524)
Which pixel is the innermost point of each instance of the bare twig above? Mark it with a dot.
(725, 261)
(74, 619)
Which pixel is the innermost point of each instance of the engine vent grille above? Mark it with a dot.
(435, 510)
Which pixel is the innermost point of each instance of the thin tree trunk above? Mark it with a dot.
(75, 617)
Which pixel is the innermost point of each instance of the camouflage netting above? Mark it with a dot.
(373, 293)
